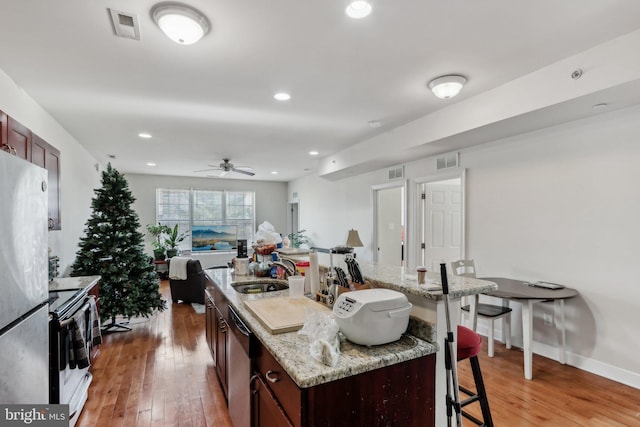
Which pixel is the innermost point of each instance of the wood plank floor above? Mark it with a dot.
(161, 374)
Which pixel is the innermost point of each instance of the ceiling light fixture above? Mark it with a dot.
(274, 172)
(282, 96)
(151, 164)
(445, 87)
(181, 23)
(358, 9)
(144, 135)
(313, 153)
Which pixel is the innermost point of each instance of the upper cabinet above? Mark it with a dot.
(44, 155)
(17, 139)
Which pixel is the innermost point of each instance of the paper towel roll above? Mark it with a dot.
(314, 273)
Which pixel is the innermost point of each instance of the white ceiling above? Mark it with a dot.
(213, 100)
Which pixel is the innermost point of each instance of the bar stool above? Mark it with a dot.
(469, 346)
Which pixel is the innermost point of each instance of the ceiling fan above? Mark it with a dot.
(225, 167)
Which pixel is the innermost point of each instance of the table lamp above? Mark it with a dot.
(353, 240)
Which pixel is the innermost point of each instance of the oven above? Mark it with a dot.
(68, 381)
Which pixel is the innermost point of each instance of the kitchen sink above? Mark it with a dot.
(259, 287)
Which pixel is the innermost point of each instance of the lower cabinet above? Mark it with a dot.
(210, 323)
(221, 344)
(398, 395)
(265, 410)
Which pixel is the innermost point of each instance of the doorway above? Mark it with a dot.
(389, 224)
(441, 231)
(293, 217)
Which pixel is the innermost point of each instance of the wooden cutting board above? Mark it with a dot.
(282, 314)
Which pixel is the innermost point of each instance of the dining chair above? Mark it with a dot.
(491, 312)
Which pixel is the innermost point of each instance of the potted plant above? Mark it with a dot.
(172, 239)
(159, 246)
(298, 238)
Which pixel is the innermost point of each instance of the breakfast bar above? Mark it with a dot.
(426, 326)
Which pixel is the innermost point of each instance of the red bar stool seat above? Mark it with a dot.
(469, 345)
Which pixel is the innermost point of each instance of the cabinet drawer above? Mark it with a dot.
(281, 385)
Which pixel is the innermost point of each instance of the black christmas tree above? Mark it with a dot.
(113, 249)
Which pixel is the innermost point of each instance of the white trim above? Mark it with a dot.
(374, 216)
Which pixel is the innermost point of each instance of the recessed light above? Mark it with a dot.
(358, 9)
(274, 172)
(144, 135)
(313, 153)
(151, 164)
(282, 96)
(111, 156)
(600, 106)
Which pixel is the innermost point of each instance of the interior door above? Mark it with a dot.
(442, 222)
(390, 226)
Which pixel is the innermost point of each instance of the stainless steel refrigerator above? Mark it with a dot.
(24, 327)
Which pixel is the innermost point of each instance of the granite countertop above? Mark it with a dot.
(291, 349)
(72, 283)
(391, 277)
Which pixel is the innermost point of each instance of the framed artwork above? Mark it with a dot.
(214, 237)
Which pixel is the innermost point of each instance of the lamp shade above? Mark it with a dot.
(353, 239)
(447, 86)
(181, 23)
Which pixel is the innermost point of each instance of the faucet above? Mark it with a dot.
(289, 270)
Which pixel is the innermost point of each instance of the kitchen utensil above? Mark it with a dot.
(341, 277)
(282, 314)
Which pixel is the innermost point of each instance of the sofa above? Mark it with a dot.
(191, 289)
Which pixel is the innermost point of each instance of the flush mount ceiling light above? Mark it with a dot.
(144, 135)
(181, 23)
(445, 87)
(358, 9)
(282, 96)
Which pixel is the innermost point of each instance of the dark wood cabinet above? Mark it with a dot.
(398, 395)
(221, 345)
(265, 409)
(18, 139)
(44, 155)
(210, 323)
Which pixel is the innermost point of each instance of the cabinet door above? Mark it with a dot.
(211, 326)
(19, 138)
(265, 410)
(3, 132)
(45, 156)
(221, 350)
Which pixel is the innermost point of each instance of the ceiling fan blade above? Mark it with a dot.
(223, 173)
(246, 172)
(207, 170)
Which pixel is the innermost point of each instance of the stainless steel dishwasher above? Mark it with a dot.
(242, 348)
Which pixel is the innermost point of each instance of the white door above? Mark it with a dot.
(442, 223)
(390, 226)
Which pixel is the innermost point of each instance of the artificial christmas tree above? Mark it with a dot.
(113, 249)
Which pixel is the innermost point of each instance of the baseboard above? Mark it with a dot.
(613, 373)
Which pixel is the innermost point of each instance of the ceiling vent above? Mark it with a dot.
(397, 172)
(446, 161)
(125, 24)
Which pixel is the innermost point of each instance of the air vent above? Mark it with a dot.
(446, 161)
(397, 172)
(125, 24)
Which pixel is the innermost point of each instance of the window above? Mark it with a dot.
(204, 207)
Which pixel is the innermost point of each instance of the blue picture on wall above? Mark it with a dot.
(214, 237)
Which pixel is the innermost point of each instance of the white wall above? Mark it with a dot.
(560, 204)
(271, 197)
(78, 176)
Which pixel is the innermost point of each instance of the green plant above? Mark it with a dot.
(157, 231)
(298, 238)
(173, 238)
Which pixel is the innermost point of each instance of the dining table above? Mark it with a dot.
(528, 294)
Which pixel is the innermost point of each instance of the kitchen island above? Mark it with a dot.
(389, 384)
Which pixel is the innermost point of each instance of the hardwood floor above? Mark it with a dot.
(161, 374)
